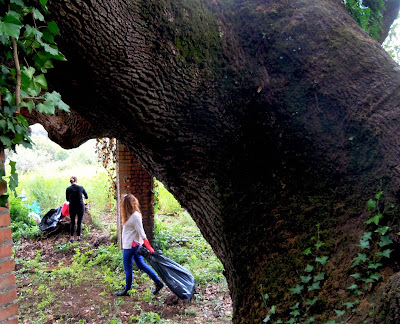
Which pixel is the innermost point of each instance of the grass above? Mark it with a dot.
(99, 271)
(76, 282)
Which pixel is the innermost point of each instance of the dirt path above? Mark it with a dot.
(86, 300)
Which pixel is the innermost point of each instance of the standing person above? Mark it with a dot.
(76, 206)
(133, 236)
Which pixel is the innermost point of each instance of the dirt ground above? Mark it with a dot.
(90, 302)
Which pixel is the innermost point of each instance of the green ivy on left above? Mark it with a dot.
(26, 37)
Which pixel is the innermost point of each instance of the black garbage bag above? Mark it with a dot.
(177, 278)
(50, 220)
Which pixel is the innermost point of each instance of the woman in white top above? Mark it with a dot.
(133, 236)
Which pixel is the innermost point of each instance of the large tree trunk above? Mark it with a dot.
(263, 118)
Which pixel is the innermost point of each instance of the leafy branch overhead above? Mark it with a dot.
(27, 51)
(368, 18)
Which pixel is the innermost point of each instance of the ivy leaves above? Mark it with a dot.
(369, 19)
(25, 37)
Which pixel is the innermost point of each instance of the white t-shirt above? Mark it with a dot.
(133, 231)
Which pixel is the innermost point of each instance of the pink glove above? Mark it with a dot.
(148, 246)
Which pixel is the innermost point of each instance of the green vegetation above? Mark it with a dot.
(86, 269)
(364, 272)
(27, 52)
(369, 18)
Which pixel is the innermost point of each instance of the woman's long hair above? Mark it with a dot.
(129, 205)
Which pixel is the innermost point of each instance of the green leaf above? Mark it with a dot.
(314, 286)
(322, 260)
(43, 3)
(320, 276)
(352, 287)
(3, 124)
(52, 49)
(385, 253)
(356, 275)
(295, 313)
(349, 305)
(361, 257)
(309, 268)
(18, 2)
(382, 230)
(29, 104)
(267, 318)
(37, 14)
(307, 251)
(305, 279)
(30, 31)
(56, 98)
(310, 320)
(6, 141)
(48, 37)
(11, 26)
(10, 126)
(366, 236)
(374, 265)
(53, 28)
(385, 240)
(46, 107)
(339, 312)
(364, 244)
(375, 276)
(379, 195)
(319, 245)
(41, 80)
(311, 302)
(375, 219)
(28, 72)
(272, 310)
(295, 306)
(296, 290)
(371, 204)
(13, 179)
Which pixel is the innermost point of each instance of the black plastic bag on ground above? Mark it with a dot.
(177, 278)
(50, 220)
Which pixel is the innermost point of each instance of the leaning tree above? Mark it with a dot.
(272, 122)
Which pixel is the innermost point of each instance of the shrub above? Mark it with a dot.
(22, 225)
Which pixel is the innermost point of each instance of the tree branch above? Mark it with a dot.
(18, 70)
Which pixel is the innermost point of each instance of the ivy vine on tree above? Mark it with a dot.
(27, 51)
(368, 18)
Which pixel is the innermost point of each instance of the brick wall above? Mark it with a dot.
(8, 287)
(133, 178)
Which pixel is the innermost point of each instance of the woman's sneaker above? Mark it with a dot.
(158, 287)
(122, 293)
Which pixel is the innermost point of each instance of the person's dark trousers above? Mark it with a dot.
(130, 255)
(73, 212)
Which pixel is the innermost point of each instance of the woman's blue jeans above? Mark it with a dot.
(130, 255)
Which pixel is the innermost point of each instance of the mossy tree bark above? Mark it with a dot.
(263, 118)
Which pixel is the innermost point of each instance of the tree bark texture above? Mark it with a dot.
(263, 118)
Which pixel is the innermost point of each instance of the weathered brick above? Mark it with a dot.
(5, 234)
(13, 321)
(6, 266)
(7, 281)
(5, 219)
(5, 250)
(8, 296)
(8, 312)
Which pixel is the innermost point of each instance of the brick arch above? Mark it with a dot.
(131, 178)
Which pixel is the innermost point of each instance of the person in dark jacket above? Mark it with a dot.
(74, 195)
